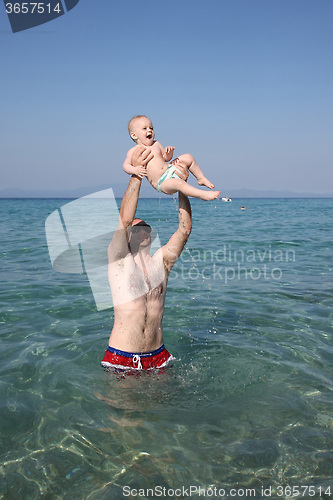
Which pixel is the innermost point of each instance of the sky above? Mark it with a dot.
(245, 86)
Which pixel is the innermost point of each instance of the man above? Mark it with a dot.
(138, 280)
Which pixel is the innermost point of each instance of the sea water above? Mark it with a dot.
(246, 408)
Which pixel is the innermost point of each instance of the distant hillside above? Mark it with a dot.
(119, 189)
(256, 193)
(148, 192)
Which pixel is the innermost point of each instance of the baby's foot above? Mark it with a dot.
(203, 181)
(210, 195)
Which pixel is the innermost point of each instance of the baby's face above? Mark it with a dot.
(143, 131)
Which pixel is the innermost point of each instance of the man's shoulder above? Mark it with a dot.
(123, 263)
(163, 256)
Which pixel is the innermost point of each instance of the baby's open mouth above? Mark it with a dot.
(149, 136)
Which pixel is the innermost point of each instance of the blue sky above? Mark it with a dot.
(243, 85)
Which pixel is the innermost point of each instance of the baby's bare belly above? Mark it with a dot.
(155, 168)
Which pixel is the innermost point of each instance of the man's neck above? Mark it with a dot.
(141, 253)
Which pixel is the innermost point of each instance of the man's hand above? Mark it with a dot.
(142, 172)
(181, 169)
(141, 156)
(139, 171)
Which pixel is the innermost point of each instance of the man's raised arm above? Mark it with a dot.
(118, 247)
(174, 247)
(141, 156)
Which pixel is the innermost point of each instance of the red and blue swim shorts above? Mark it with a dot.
(122, 360)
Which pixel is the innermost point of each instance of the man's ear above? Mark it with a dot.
(134, 136)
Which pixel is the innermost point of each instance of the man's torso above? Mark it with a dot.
(138, 292)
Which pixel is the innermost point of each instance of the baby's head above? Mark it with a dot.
(141, 130)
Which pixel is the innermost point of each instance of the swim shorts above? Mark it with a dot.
(170, 173)
(114, 358)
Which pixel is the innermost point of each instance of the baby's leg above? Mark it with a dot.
(171, 186)
(196, 170)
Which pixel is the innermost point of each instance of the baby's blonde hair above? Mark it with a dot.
(130, 123)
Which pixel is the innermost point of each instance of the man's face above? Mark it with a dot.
(140, 233)
(143, 132)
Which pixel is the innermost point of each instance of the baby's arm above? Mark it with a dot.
(127, 165)
(168, 153)
(140, 171)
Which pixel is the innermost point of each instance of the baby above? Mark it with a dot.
(161, 175)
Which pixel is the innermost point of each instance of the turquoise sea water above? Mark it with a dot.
(247, 404)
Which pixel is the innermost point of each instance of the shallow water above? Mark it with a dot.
(246, 405)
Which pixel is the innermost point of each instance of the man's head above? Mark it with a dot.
(140, 234)
(141, 130)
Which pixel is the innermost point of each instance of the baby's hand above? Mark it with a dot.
(168, 153)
